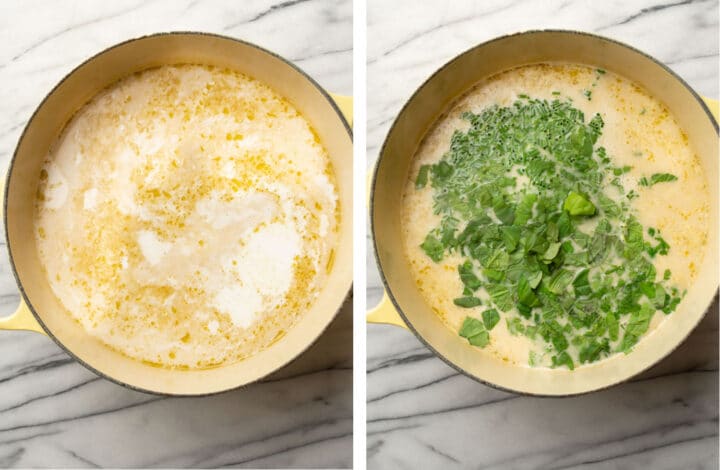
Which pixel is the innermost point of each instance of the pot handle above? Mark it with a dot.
(345, 103)
(385, 313)
(22, 319)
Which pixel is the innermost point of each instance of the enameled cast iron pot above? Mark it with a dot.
(41, 311)
(404, 306)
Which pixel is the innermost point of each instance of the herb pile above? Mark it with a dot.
(549, 243)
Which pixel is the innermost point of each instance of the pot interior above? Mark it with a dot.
(418, 116)
(81, 86)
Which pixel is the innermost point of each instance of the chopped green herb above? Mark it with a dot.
(433, 248)
(468, 277)
(563, 359)
(622, 170)
(474, 331)
(422, 177)
(636, 327)
(467, 302)
(657, 178)
(491, 317)
(470, 327)
(533, 359)
(576, 204)
(514, 192)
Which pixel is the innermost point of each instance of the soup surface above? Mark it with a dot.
(187, 216)
(555, 215)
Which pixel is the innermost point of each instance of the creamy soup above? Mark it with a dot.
(636, 199)
(187, 216)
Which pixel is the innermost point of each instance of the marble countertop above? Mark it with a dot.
(423, 414)
(55, 413)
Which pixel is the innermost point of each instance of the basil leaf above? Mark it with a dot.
(422, 177)
(563, 359)
(510, 237)
(559, 281)
(471, 327)
(634, 243)
(467, 302)
(524, 210)
(581, 284)
(636, 327)
(468, 277)
(500, 296)
(657, 178)
(491, 317)
(577, 204)
(474, 331)
(433, 248)
(526, 296)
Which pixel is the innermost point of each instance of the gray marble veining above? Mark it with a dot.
(53, 412)
(423, 414)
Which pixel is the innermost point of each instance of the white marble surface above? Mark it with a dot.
(53, 412)
(421, 413)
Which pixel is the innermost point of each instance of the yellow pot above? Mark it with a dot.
(403, 304)
(41, 311)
